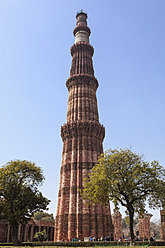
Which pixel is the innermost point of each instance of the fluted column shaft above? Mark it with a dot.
(82, 137)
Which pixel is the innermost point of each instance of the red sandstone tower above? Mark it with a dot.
(82, 137)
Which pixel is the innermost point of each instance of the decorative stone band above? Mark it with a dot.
(91, 128)
(90, 94)
(81, 33)
(82, 80)
(82, 45)
(65, 168)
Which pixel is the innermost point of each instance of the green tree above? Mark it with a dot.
(127, 179)
(41, 236)
(19, 194)
(155, 228)
(124, 224)
(135, 220)
(41, 215)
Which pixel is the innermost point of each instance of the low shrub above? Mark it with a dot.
(88, 244)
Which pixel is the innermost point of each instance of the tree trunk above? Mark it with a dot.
(131, 214)
(14, 233)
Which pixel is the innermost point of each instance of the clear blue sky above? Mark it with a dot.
(129, 62)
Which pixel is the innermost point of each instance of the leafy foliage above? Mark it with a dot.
(155, 228)
(41, 236)
(124, 177)
(40, 215)
(125, 221)
(19, 194)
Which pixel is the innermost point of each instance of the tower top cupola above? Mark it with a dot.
(81, 31)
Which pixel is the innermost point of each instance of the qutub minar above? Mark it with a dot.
(82, 137)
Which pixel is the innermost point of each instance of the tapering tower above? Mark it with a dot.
(82, 137)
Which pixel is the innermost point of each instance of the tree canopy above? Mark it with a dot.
(19, 194)
(125, 178)
(41, 215)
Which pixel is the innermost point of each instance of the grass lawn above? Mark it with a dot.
(82, 247)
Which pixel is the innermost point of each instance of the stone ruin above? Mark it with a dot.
(26, 231)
